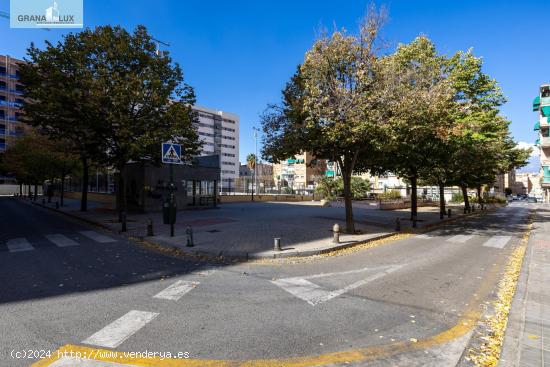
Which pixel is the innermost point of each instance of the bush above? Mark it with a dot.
(457, 198)
(390, 195)
(329, 188)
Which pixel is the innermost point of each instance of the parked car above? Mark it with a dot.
(532, 199)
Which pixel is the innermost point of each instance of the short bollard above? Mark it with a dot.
(189, 233)
(448, 213)
(336, 233)
(150, 227)
(397, 224)
(43, 201)
(276, 244)
(57, 204)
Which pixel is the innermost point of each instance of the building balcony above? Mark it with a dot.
(10, 104)
(545, 101)
(12, 76)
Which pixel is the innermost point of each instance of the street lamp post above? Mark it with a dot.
(255, 183)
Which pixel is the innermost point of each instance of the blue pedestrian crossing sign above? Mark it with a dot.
(171, 153)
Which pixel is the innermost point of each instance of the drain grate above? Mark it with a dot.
(213, 231)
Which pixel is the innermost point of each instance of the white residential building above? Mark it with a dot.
(220, 133)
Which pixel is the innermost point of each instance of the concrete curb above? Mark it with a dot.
(509, 355)
(258, 256)
(242, 255)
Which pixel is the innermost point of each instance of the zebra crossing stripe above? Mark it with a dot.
(61, 240)
(176, 290)
(114, 334)
(497, 241)
(19, 245)
(461, 238)
(98, 237)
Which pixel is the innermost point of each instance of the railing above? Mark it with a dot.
(6, 118)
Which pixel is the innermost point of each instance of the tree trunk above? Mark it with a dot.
(350, 225)
(62, 193)
(414, 200)
(35, 191)
(479, 199)
(20, 189)
(29, 192)
(441, 200)
(84, 197)
(466, 201)
(121, 192)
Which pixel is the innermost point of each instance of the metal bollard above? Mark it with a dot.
(150, 227)
(189, 232)
(57, 204)
(276, 244)
(449, 213)
(336, 233)
(43, 201)
(397, 224)
(123, 217)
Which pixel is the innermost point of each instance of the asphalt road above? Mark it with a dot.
(64, 282)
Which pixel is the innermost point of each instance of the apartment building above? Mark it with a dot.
(219, 132)
(541, 105)
(299, 172)
(11, 101)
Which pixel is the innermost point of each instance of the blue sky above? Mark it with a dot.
(239, 54)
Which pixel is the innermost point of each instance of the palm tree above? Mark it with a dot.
(251, 160)
(251, 163)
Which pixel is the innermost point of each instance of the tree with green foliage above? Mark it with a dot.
(112, 95)
(480, 142)
(34, 158)
(332, 105)
(421, 100)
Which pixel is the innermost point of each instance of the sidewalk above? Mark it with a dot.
(527, 339)
(247, 230)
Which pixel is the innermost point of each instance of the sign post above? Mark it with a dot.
(171, 154)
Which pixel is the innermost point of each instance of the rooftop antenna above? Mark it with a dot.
(159, 42)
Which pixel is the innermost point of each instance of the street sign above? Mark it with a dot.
(171, 153)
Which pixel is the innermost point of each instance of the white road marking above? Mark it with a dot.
(19, 245)
(497, 241)
(460, 238)
(98, 237)
(315, 294)
(61, 240)
(176, 290)
(67, 361)
(114, 334)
